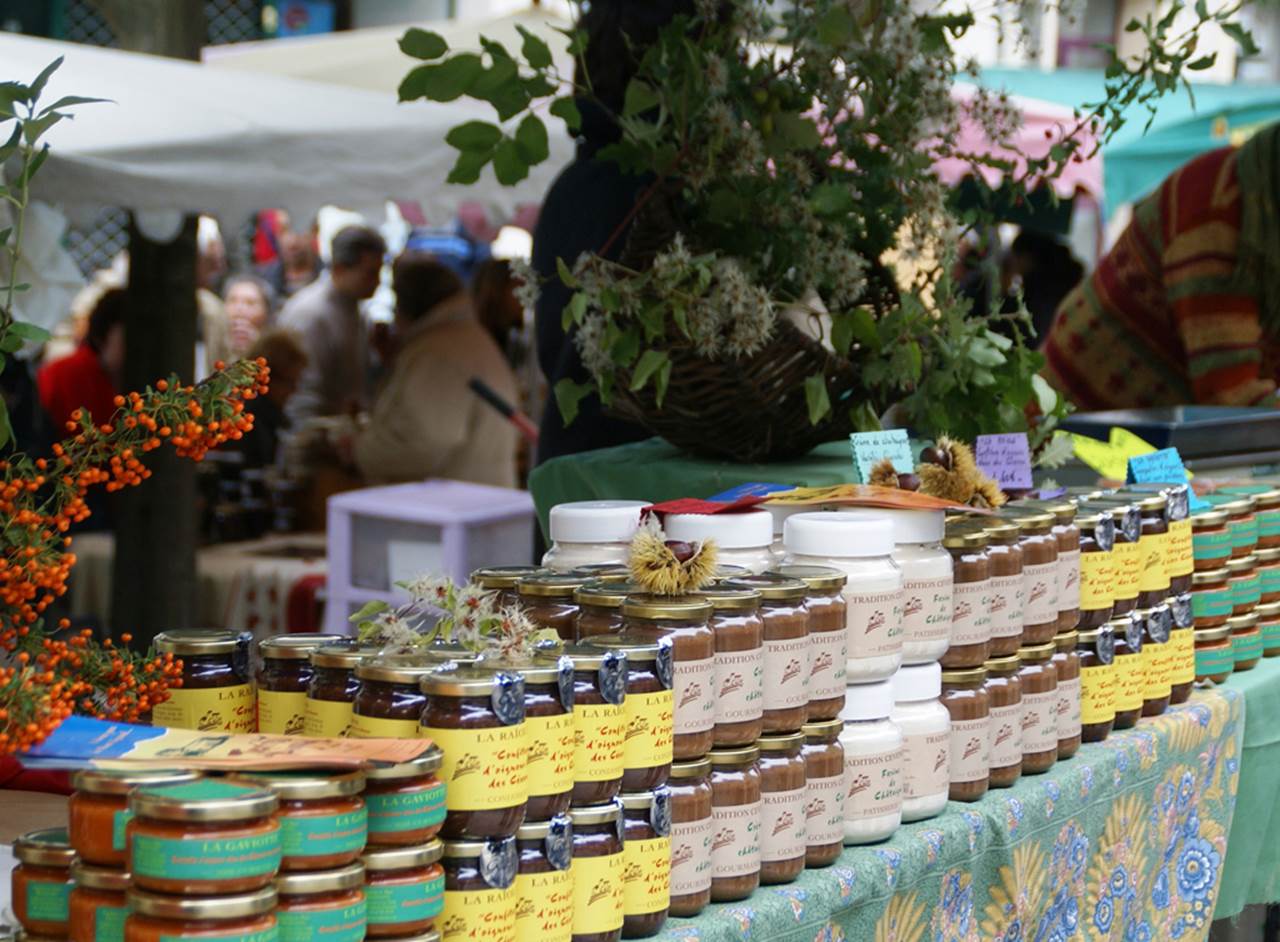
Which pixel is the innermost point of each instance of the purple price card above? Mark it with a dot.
(1005, 458)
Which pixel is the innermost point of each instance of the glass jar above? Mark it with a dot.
(1157, 659)
(548, 722)
(323, 904)
(782, 791)
(1246, 641)
(971, 615)
(41, 882)
(683, 619)
(502, 581)
(405, 800)
(1066, 664)
(599, 721)
(97, 907)
(323, 819)
(735, 823)
(1181, 540)
(1210, 539)
(1067, 533)
(404, 889)
(98, 810)
(1096, 647)
(647, 709)
(476, 717)
(1211, 598)
(862, 549)
(646, 853)
(1245, 583)
(968, 704)
(599, 609)
(389, 699)
(216, 695)
(1269, 624)
(1039, 574)
(1266, 510)
(742, 539)
(1182, 650)
(1039, 708)
(544, 884)
(332, 689)
(1126, 552)
(1097, 568)
(926, 738)
(1005, 690)
(591, 532)
(786, 649)
(1004, 549)
(1215, 654)
(691, 836)
(874, 764)
(599, 872)
(548, 601)
(1268, 565)
(479, 889)
(242, 917)
(1241, 521)
(823, 792)
(828, 637)
(739, 664)
(1127, 631)
(1153, 585)
(283, 679)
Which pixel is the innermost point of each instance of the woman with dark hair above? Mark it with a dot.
(250, 304)
(89, 378)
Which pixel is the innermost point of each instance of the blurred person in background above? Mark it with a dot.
(497, 308)
(89, 378)
(214, 341)
(287, 359)
(1046, 270)
(250, 303)
(296, 263)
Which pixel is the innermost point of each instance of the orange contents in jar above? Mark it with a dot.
(243, 917)
(321, 905)
(98, 908)
(404, 889)
(323, 819)
(98, 811)
(405, 800)
(41, 884)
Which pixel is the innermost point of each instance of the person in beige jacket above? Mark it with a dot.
(426, 422)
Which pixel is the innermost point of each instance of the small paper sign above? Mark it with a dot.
(1163, 467)
(1006, 459)
(1049, 493)
(749, 490)
(869, 448)
(1111, 458)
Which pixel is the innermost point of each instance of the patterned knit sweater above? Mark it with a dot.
(1161, 321)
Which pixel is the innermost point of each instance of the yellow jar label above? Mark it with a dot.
(550, 753)
(598, 730)
(1129, 682)
(375, 727)
(1182, 644)
(1127, 560)
(597, 894)
(1157, 664)
(544, 906)
(1097, 693)
(1097, 581)
(1182, 552)
(480, 915)
(330, 719)
(1153, 548)
(483, 769)
(212, 709)
(646, 876)
(647, 741)
(282, 714)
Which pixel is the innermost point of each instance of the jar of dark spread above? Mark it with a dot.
(1268, 623)
(599, 872)
(159, 917)
(1154, 584)
(1246, 641)
(971, 612)
(476, 717)
(323, 819)
(1268, 565)
(1210, 539)
(828, 637)
(684, 620)
(1126, 552)
(1039, 575)
(283, 679)
(479, 890)
(1181, 541)
(599, 722)
(782, 809)
(324, 904)
(548, 722)
(965, 696)
(646, 853)
(544, 883)
(404, 889)
(786, 649)
(331, 692)
(405, 800)
(1241, 521)
(691, 836)
(1005, 690)
(1039, 708)
(1097, 568)
(1215, 655)
(1245, 583)
(739, 664)
(389, 700)
(1128, 631)
(1266, 510)
(736, 801)
(1182, 649)
(646, 748)
(823, 792)
(1157, 659)
(1067, 533)
(1004, 550)
(216, 695)
(599, 608)
(1096, 647)
(503, 582)
(548, 601)
(1211, 598)
(1066, 663)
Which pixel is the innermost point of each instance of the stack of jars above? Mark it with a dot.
(216, 693)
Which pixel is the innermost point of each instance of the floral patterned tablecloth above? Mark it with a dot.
(1125, 841)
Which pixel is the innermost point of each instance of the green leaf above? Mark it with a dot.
(984, 353)
(1203, 62)
(369, 610)
(862, 323)
(650, 362)
(864, 418)
(538, 87)
(37, 160)
(534, 49)
(661, 381)
(423, 44)
(70, 101)
(10, 344)
(4, 235)
(815, 396)
(28, 332)
(831, 199)
(626, 347)
(652, 317)
(508, 164)
(639, 98)
(1046, 395)
(914, 361)
(474, 136)
(445, 81)
(999, 341)
(568, 396)
(566, 275)
(799, 132)
(836, 26)
(11, 92)
(531, 139)
(34, 129)
(680, 314)
(566, 109)
(1202, 9)
(1243, 38)
(575, 311)
(38, 85)
(6, 430)
(466, 169)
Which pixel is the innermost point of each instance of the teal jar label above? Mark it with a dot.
(346, 924)
(1270, 635)
(392, 904)
(406, 811)
(1270, 576)
(1244, 533)
(1211, 604)
(1215, 660)
(205, 861)
(262, 935)
(48, 902)
(108, 923)
(324, 835)
(119, 823)
(1247, 591)
(1211, 544)
(1246, 646)
(1268, 523)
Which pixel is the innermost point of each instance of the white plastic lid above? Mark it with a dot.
(780, 513)
(596, 521)
(909, 526)
(731, 530)
(867, 701)
(917, 682)
(836, 534)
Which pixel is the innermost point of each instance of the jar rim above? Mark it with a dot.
(1216, 633)
(297, 647)
(595, 814)
(502, 577)
(1065, 640)
(305, 785)
(123, 781)
(47, 847)
(196, 641)
(637, 648)
(733, 757)
(966, 539)
(473, 848)
(533, 673)
(537, 830)
(967, 675)
(402, 858)
(1209, 576)
(380, 671)
(666, 608)
(1204, 519)
(204, 800)
(99, 878)
(815, 577)
(214, 908)
(1267, 610)
(1036, 653)
(465, 681)
(583, 656)
(1233, 504)
(1241, 564)
(637, 801)
(1091, 635)
(818, 729)
(730, 599)
(309, 882)
(557, 585)
(1264, 495)
(602, 594)
(772, 586)
(1008, 662)
(430, 761)
(1031, 521)
(1243, 622)
(342, 655)
(694, 768)
(1267, 554)
(780, 742)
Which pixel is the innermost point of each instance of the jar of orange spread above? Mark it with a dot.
(42, 881)
(323, 819)
(242, 917)
(216, 695)
(405, 800)
(322, 905)
(98, 811)
(204, 838)
(98, 907)
(404, 889)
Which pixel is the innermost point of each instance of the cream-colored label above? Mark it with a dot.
(1097, 581)
(873, 784)
(926, 609)
(282, 714)
(598, 730)
(1098, 694)
(1006, 606)
(971, 621)
(550, 753)
(927, 764)
(693, 687)
(647, 877)
(739, 685)
(1040, 588)
(782, 833)
(1069, 708)
(874, 620)
(786, 670)
(1068, 579)
(208, 709)
(375, 727)
(1127, 562)
(970, 749)
(824, 810)
(330, 719)
(1183, 645)
(1039, 721)
(1006, 736)
(597, 895)
(828, 655)
(544, 906)
(735, 840)
(691, 856)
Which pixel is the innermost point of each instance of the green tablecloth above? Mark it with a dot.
(1125, 841)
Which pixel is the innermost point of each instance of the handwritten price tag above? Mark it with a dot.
(869, 448)
(1006, 459)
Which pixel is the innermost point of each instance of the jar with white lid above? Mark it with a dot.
(780, 514)
(591, 532)
(742, 539)
(926, 735)
(873, 764)
(861, 548)
(926, 579)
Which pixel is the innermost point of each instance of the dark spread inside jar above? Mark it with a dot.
(1157, 659)
(736, 812)
(405, 890)
(1039, 708)
(824, 792)
(1005, 691)
(389, 701)
(1005, 553)
(503, 581)
(1153, 586)
(405, 800)
(828, 637)
(965, 696)
(283, 680)
(599, 873)
(647, 746)
(331, 692)
(1066, 663)
(215, 695)
(971, 611)
(647, 862)
(1126, 552)
(548, 600)
(739, 665)
(1128, 631)
(599, 609)
(691, 836)
(548, 718)
(1097, 569)
(786, 649)
(1096, 647)
(599, 721)
(1039, 576)
(479, 889)
(782, 812)
(1215, 656)
(544, 883)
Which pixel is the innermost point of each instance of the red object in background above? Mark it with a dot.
(14, 777)
(302, 608)
(266, 241)
(75, 382)
(691, 505)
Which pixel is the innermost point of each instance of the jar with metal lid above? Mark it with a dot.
(97, 906)
(1067, 533)
(647, 709)
(502, 581)
(965, 697)
(1210, 539)
(782, 791)
(476, 717)
(216, 695)
(1241, 521)
(323, 820)
(971, 615)
(1096, 648)
(1180, 559)
(98, 810)
(828, 637)
(1154, 583)
(332, 689)
(405, 800)
(599, 720)
(1004, 550)
(389, 699)
(324, 905)
(1245, 583)
(283, 679)
(736, 800)
(404, 889)
(240, 917)
(599, 872)
(1128, 631)
(1005, 690)
(1182, 649)
(1269, 624)
(1211, 598)
(1039, 708)
(874, 764)
(548, 601)
(548, 722)
(1268, 565)
(861, 548)
(1039, 574)
(1126, 551)
(587, 532)
(692, 832)
(203, 838)
(41, 882)
(1246, 641)
(544, 883)
(684, 620)
(1157, 659)
(599, 608)
(479, 889)
(1266, 510)
(823, 792)
(787, 649)
(646, 853)
(1215, 654)
(1097, 568)
(739, 664)
(742, 539)
(926, 738)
